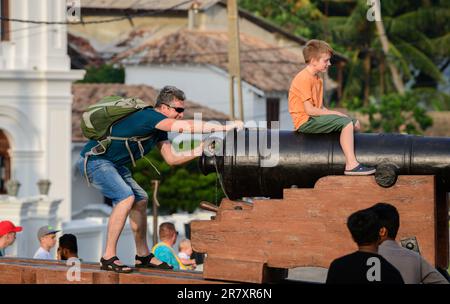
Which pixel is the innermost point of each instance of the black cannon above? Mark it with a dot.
(246, 162)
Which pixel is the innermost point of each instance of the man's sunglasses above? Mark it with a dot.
(179, 110)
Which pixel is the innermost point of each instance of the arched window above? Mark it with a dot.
(5, 162)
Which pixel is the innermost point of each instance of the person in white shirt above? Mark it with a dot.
(47, 239)
(412, 266)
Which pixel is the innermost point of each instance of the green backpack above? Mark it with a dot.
(98, 120)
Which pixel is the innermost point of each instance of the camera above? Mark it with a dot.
(410, 243)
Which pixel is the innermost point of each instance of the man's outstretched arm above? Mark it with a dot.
(193, 126)
(173, 158)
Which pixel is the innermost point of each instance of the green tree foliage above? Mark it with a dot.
(300, 17)
(106, 73)
(394, 113)
(416, 32)
(181, 187)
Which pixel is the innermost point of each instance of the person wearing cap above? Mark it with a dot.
(7, 235)
(47, 238)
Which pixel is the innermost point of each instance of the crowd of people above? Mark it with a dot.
(68, 245)
(46, 235)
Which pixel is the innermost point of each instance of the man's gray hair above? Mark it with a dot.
(168, 94)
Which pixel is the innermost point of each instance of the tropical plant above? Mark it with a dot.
(414, 46)
(394, 112)
(104, 74)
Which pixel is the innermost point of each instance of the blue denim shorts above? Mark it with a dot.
(115, 182)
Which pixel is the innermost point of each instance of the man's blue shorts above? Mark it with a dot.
(115, 182)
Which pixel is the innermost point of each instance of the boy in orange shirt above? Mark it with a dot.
(307, 110)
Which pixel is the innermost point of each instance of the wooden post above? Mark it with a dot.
(155, 184)
(234, 61)
(4, 24)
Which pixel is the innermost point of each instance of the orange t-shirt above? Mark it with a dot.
(304, 87)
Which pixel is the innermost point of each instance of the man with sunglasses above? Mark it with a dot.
(109, 174)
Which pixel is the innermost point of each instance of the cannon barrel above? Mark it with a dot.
(301, 159)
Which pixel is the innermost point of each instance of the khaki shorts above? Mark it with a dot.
(325, 124)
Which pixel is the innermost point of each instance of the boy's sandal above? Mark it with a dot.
(145, 262)
(109, 265)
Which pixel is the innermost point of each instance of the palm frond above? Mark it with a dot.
(420, 20)
(398, 59)
(442, 45)
(419, 60)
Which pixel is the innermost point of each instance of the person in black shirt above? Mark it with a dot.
(68, 247)
(364, 266)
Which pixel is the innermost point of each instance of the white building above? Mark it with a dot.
(36, 99)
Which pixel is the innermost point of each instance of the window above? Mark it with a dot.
(4, 24)
(272, 110)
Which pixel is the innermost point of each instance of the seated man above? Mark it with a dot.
(412, 266)
(364, 266)
(7, 235)
(68, 247)
(163, 251)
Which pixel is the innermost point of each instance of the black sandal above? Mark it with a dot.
(145, 262)
(109, 265)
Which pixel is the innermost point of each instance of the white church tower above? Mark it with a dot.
(36, 99)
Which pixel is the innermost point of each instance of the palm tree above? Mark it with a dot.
(403, 40)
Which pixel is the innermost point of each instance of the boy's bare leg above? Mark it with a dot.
(347, 144)
(138, 223)
(115, 226)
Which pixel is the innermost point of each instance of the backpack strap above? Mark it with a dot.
(86, 156)
(96, 150)
(101, 149)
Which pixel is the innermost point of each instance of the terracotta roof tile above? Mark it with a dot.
(87, 94)
(268, 67)
(81, 50)
(144, 4)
